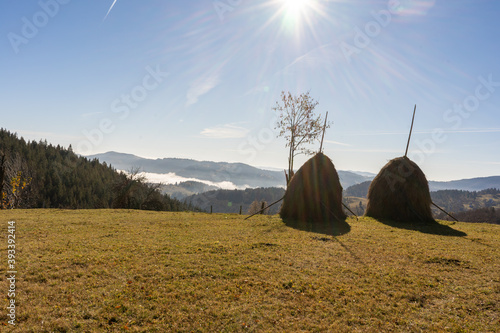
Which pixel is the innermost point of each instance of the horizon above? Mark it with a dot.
(198, 80)
(271, 169)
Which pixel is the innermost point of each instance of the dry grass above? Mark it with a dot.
(131, 271)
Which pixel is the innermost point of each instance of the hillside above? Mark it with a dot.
(229, 201)
(469, 185)
(40, 175)
(133, 271)
(473, 184)
(240, 175)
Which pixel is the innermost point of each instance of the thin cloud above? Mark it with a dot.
(317, 57)
(172, 178)
(414, 7)
(370, 151)
(448, 131)
(226, 131)
(338, 143)
(474, 130)
(112, 5)
(201, 86)
(484, 162)
(313, 58)
(35, 135)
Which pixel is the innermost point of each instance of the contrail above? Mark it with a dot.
(110, 9)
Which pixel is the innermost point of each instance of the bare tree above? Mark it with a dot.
(126, 189)
(254, 207)
(258, 206)
(15, 182)
(298, 125)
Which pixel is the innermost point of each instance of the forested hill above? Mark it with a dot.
(40, 175)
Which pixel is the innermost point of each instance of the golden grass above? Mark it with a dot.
(133, 271)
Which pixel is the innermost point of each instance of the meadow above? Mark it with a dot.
(137, 271)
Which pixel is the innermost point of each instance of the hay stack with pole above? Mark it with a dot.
(314, 194)
(400, 192)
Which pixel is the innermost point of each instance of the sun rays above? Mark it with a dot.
(295, 12)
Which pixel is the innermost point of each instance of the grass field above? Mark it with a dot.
(134, 271)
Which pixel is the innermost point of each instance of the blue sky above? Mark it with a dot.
(198, 79)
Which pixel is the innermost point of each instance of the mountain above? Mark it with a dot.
(358, 190)
(474, 184)
(239, 174)
(221, 174)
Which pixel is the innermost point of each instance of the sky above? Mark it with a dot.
(199, 78)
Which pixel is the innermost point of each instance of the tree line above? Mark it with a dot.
(40, 175)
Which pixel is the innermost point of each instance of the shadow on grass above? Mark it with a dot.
(434, 228)
(332, 228)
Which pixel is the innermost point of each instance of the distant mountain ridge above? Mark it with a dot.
(473, 184)
(240, 174)
(245, 176)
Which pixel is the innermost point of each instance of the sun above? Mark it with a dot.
(294, 11)
(295, 7)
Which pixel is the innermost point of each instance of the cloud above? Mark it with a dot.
(201, 86)
(172, 178)
(316, 57)
(337, 143)
(447, 131)
(112, 5)
(474, 130)
(414, 7)
(226, 131)
(49, 136)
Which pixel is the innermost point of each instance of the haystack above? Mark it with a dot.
(400, 192)
(314, 193)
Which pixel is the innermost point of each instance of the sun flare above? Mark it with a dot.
(295, 5)
(295, 11)
(294, 8)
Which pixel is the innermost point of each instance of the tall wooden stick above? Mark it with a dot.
(441, 209)
(323, 136)
(349, 209)
(411, 129)
(274, 203)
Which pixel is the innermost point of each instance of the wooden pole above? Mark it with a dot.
(329, 210)
(349, 210)
(323, 136)
(274, 203)
(411, 129)
(441, 209)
